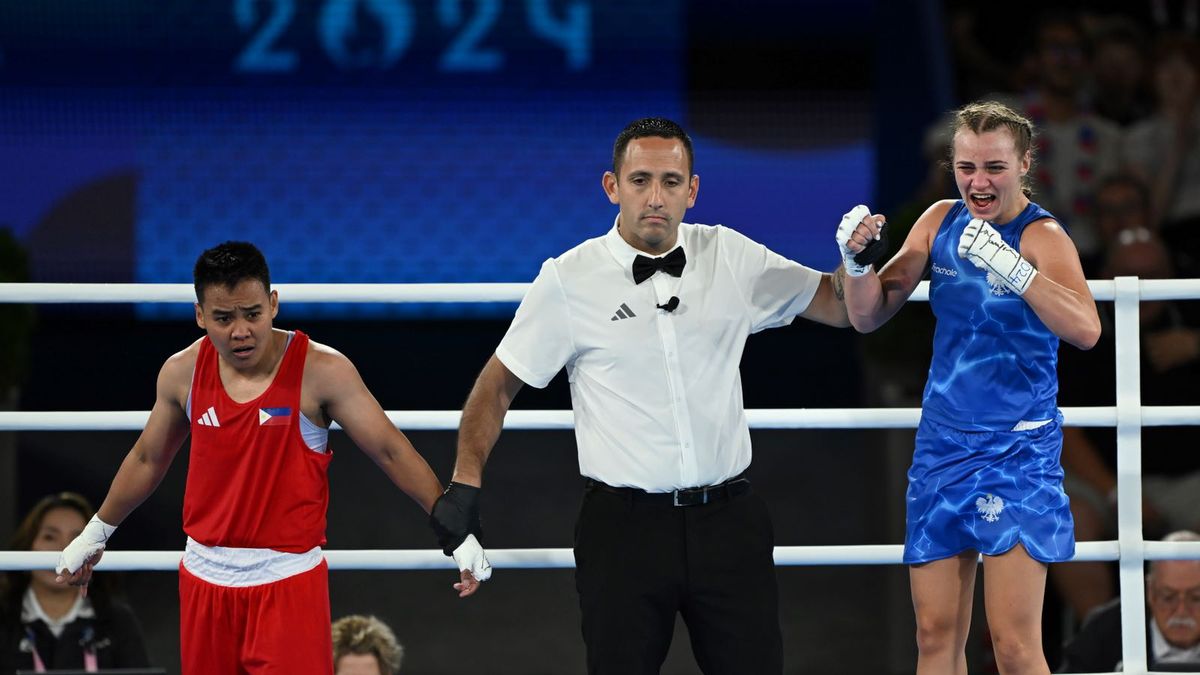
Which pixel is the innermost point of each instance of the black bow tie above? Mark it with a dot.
(671, 263)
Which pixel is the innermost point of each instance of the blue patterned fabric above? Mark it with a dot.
(994, 361)
(975, 484)
(987, 491)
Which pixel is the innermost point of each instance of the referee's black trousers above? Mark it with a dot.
(638, 563)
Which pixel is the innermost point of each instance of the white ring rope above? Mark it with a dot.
(563, 558)
(762, 418)
(1129, 416)
(1151, 289)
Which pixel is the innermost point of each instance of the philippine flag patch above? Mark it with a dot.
(272, 417)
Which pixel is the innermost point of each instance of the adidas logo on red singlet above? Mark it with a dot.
(209, 419)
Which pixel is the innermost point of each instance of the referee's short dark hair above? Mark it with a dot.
(658, 127)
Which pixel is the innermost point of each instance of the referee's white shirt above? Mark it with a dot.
(657, 395)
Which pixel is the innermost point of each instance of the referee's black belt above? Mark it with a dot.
(697, 496)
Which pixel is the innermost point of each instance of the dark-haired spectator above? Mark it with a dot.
(45, 625)
(1123, 215)
(1075, 148)
(1119, 85)
(1162, 149)
(1122, 203)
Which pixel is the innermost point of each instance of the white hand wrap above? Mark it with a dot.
(89, 542)
(849, 223)
(470, 556)
(982, 245)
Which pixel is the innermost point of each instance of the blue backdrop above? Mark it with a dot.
(374, 140)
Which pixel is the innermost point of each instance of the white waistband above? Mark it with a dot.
(226, 566)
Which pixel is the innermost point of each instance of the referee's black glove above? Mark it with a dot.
(455, 515)
(875, 249)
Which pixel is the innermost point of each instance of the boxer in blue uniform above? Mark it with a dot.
(1005, 285)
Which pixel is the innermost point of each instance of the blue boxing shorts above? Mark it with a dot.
(987, 491)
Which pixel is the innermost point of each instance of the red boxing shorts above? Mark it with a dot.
(282, 627)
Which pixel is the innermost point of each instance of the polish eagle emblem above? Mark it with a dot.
(989, 507)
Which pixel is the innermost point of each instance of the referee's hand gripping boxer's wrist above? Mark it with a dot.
(861, 239)
(455, 515)
(455, 520)
(473, 566)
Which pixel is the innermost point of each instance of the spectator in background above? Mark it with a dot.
(1119, 88)
(1170, 375)
(45, 625)
(1123, 215)
(364, 645)
(987, 57)
(1162, 151)
(1075, 147)
(1122, 204)
(1181, 15)
(1172, 629)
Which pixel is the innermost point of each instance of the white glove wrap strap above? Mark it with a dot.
(470, 556)
(89, 542)
(983, 246)
(849, 223)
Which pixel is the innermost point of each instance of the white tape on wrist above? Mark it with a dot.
(470, 556)
(89, 542)
(845, 229)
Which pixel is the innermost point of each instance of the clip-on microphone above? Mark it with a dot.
(670, 304)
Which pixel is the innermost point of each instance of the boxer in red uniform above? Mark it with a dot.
(258, 402)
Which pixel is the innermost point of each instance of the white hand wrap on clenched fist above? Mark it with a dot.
(84, 547)
(470, 556)
(982, 245)
(849, 223)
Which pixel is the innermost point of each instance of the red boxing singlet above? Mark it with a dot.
(252, 480)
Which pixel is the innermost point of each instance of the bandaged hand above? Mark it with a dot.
(469, 557)
(85, 547)
(455, 516)
(860, 243)
(982, 245)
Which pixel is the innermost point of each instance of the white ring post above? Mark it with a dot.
(1129, 474)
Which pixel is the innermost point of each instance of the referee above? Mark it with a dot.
(650, 320)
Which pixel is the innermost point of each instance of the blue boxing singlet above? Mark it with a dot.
(979, 481)
(994, 361)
